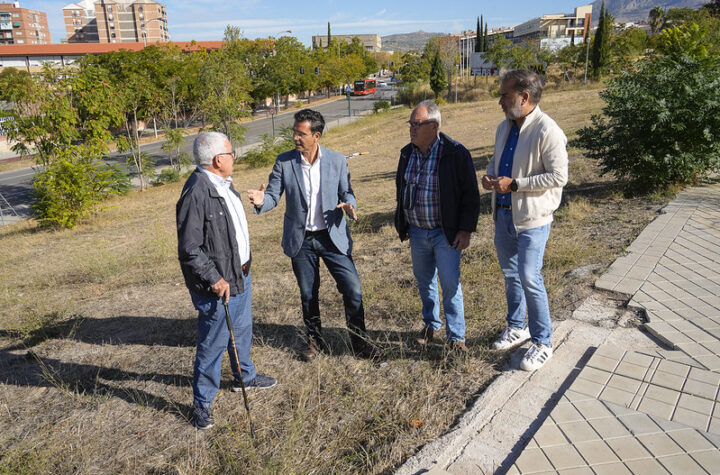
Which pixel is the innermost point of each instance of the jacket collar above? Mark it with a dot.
(529, 119)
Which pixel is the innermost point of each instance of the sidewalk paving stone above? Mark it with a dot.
(654, 410)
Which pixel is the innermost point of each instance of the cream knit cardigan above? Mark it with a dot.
(540, 169)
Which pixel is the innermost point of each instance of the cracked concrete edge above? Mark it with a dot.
(443, 451)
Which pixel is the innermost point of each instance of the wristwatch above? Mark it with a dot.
(513, 185)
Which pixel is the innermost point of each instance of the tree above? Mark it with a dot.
(713, 8)
(601, 44)
(500, 52)
(486, 39)
(69, 188)
(626, 47)
(414, 68)
(570, 58)
(224, 77)
(438, 79)
(478, 37)
(14, 84)
(174, 141)
(656, 18)
(661, 122)
(59, 107)
(687, 40)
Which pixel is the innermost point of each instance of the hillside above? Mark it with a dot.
(635, 10)
(405, 42)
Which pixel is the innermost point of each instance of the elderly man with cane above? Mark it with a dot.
(214, 253)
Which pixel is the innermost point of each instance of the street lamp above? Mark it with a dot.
(282, 33)
(144, 33)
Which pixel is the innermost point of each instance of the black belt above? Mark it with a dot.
(315, 233)
(505, 206)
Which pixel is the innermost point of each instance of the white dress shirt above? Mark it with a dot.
(237, 213)
(311, 179)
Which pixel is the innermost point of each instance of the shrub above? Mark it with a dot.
(380, 106)
(413, 93)
(68, 189)
(271, 147)
(661, 124)
(167, 175)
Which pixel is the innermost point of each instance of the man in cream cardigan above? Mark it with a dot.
(527, 173)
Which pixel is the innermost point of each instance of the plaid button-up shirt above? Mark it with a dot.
(422, 173)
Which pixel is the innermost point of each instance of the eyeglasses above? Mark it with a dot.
(232, 154)
(415, 125)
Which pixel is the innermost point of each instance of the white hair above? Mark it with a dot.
(433, 111)
(207, 145)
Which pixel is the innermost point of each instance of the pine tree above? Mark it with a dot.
(486, 39)
(601, 44)
(438, 79)
(329, 36)
(478, 37)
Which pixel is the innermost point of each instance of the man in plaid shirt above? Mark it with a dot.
(438, 203)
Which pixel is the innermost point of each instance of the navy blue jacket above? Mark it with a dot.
(207, 246)
(459, 193)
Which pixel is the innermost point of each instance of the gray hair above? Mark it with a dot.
(433, 111)
(525, 81)
(207, 145)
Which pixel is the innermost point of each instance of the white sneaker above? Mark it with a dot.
(535, 357)
(511, 338)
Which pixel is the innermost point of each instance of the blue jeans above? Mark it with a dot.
(433, 257)
(214, 339)
(521, 259)
(306, 266)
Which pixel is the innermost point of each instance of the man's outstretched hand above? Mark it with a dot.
(257, 196)
(349, 209)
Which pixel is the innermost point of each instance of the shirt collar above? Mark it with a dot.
(216, 179)
(432, 149)
(303, 160)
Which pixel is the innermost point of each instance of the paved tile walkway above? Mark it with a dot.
(655, 411)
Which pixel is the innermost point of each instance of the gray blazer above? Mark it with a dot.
(287, 176)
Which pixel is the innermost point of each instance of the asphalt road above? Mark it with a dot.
(16, 186)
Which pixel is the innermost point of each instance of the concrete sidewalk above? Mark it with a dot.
(630, 389)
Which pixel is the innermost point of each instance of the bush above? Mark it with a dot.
(271, 147)
(413, 93)
(661, 124)
(68, 189)
(167, 175)
(380, 106)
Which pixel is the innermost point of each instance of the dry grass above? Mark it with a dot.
(98, 342)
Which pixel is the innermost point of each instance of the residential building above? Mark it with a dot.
(558, 26)
(372, 43)
(32, 58)
(23, 26)
(551, 31)
(116, 21)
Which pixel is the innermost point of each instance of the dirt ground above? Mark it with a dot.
(97, 332)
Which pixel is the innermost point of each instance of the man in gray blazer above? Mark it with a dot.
(317, 190)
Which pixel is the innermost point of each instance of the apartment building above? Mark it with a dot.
(552, 31)
(116, 21)
(372, 43)
(23, 26)
(555, 26)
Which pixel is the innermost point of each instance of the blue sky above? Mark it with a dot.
(206, 19)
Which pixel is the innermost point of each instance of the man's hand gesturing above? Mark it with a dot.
(257, 196)
(349, 209)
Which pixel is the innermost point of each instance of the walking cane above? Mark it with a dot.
(237, 363)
